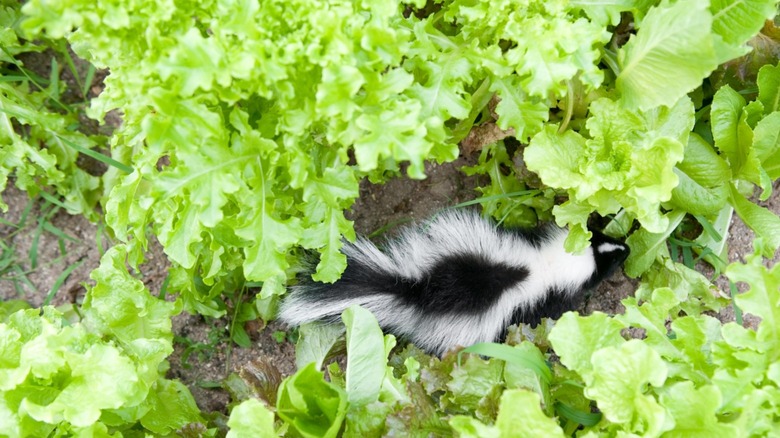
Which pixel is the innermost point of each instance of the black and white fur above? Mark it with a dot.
(458, 280)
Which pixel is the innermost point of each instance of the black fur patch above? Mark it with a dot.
(462, 283)
(553, 305)
(608, 262)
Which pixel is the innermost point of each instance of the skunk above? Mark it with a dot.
(458, 280)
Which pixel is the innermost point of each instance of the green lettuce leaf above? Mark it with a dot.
(575, 339)
(762, 299)
(518, 415)
(762, 221)
(694, 411)
(671, 53)
(618, 385)
(314, 407)
(315, 341)
(251, 418)
(769, 87)
(647, 247)
(367, 358)
(628, 162)
(105, 368)
(735, 22)
(703, 175)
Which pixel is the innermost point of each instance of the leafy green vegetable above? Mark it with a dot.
(251, 418)
(686, 374)
(314, 407)
(769, 88)
(518, 415)
(315, 341)
(628, 162)
(734, 23)
(105, 370)
(669, 56)
(38, 145)
(366, 349)
(240, 130)
(765, 223)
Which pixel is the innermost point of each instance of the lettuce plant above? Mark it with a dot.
(39, 139)
(248, 125)
(97, 375)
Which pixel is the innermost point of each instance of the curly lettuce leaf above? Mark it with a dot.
(103, 370)
(314, 407)
(703, 175)
(762, 299)
(618, 381)
(694, 411)
(769, 87)
(518, 415)
(575, 339)
(735, 22)
(671, 53)
(40, 153)
(627, 162)
(608, 12)
(251, 418)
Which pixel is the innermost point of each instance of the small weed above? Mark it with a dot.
(203, 351)
(16, 269)
(279, 336)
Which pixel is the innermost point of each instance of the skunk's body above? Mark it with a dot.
(458, 280)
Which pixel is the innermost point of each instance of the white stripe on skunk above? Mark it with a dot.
(458, 280)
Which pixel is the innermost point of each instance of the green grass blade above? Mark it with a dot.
(7, 257)
(688, 257)
(54, 74)
(52, 200)
(674, 249)
(42, 220)
(61, 245)
(22, 276)
(737, 311)
(7, 223)
(164, 287)
(709, 228)
(577, 416)
(37, 83)
(34, 244)
(25, 213)
(59, 233)
(383, 229)
(96, 155)
(63, 48)
(528, 193)
(60, 280)
(12, 78)
(88, 80)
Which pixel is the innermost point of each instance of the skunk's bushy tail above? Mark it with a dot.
(455, 280)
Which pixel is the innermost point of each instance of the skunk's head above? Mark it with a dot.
(608, 253)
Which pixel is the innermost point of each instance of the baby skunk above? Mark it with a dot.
(458, 280)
